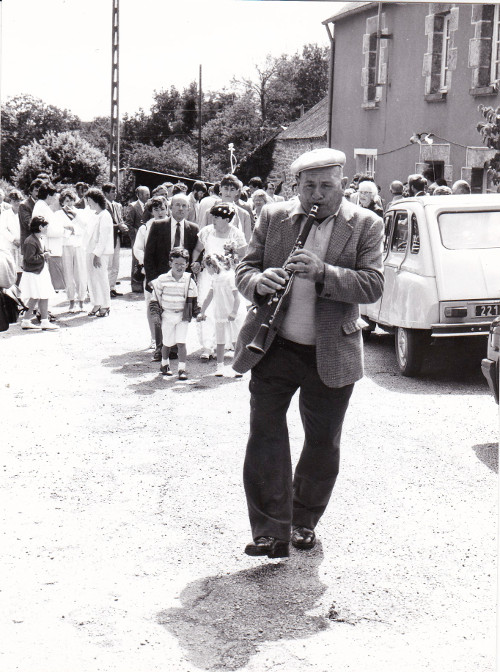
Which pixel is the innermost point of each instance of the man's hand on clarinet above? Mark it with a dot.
(306, 264)
(271, 280)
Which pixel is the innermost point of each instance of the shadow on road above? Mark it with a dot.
(225, 619)
(450, 366)
(137, 363)
(488, 454)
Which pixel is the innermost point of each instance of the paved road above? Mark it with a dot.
(124, 522)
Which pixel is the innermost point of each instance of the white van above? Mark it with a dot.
(442, 272)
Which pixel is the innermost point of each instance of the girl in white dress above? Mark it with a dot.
(215, 238)
(225, 299)
(36, 285)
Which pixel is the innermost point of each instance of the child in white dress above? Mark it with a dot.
(226, 301)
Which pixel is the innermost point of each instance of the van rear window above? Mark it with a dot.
(469, 230)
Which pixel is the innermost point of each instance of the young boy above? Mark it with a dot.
(174, 291)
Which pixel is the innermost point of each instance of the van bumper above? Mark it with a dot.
(460, 329)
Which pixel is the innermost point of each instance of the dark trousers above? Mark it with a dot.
(276, 500)
(135, 286)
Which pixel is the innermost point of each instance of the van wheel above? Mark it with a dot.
(410, 348)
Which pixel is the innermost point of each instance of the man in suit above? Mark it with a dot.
(26, 211)
(174, 231)
(314, 345)
(133, 218)
(81, 190)
(115, 210)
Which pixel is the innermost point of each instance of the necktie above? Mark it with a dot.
(177, 237)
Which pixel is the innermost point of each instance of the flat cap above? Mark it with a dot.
(324, 157)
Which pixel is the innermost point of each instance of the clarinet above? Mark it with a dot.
(274, 304)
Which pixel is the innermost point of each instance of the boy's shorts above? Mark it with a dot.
(173, 329)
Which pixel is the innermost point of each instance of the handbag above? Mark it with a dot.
(138, 274)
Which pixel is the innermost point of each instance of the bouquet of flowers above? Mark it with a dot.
(231, 254)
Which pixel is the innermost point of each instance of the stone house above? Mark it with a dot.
(405, 73)
(306, 133)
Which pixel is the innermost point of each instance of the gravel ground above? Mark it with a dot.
(124, 520)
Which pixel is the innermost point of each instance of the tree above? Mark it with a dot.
(26, 118)
(490, 133)
(66, 156)
(238, 123)
(285, 85)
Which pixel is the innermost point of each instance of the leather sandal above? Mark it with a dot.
(303, 538)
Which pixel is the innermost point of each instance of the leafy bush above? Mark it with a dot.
(66, 156)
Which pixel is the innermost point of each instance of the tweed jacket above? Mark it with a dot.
(353, 275)
(158, 246)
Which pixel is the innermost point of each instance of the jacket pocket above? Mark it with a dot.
(351, 327)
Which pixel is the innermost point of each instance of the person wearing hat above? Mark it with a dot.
(314, 345)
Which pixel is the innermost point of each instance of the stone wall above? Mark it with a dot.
(285, 153)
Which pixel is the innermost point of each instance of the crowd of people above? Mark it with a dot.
(363, 190)
(69, 240)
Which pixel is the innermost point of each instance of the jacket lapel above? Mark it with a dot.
(290, 230)
(342, 230)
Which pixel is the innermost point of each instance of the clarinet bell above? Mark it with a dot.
(257, 345)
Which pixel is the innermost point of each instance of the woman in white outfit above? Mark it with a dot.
(159, 207)
(73, 253)
(216, 238)
(10, 229)
(99, 246)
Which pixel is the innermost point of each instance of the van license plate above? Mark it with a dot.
(488, 310)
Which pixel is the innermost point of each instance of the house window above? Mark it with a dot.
(440, 59)
(484, 49)
(445, 50)
(365, 161)
(495, 51)
(374, 72)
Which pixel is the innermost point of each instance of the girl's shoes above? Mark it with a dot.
(219, 371)
(94, 311)
(28, 324)
(48, 326)
(103, 312)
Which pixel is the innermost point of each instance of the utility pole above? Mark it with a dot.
(199, 126)
(114, 140)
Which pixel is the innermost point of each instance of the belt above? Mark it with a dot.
(292, 345)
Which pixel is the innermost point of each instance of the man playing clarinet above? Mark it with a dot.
(313, 344)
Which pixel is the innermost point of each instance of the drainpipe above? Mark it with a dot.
(330, 83)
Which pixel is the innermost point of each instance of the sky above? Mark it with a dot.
(60, 50)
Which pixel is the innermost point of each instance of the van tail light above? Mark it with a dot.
(460, 311)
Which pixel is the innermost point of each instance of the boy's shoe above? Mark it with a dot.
(27, 324)
(219, 371)
(182, 375)
(165, 370)
(156, 355)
